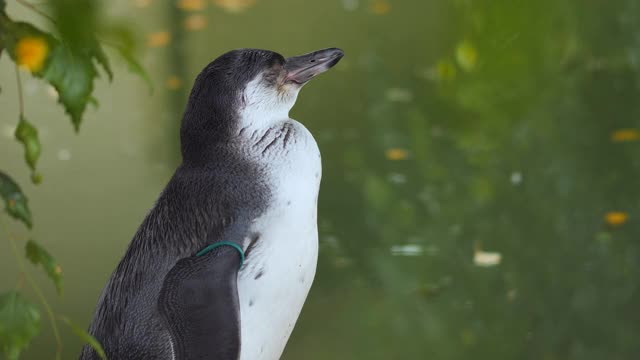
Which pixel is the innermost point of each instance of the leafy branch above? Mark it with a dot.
(68, 61)
(20, 319)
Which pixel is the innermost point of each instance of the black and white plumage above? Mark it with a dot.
(249, 175)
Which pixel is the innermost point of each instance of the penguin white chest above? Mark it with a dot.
(279, 271)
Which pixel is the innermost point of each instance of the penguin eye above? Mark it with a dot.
(270, 77)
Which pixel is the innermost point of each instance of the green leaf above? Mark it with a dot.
(72, 75)
(36, 178)
(86, 337)
(28, 136)
(39, 256)
(19, 323)
(98, 52)
(134, 66)
(77, 24)
(16, 203)
(122, 39)
(71, 70)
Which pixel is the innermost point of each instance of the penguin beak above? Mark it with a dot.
(301, 69)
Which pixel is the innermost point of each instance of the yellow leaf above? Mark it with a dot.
(486, 258)
(31, 53)
(623, 135)
(396, 154)
(234, 6)
(158, 39)
(467, 56)
(174, 82)
(380, 7)
(190, 5)
(616, 218)
(195, 22)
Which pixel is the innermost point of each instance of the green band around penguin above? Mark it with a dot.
(223, 243)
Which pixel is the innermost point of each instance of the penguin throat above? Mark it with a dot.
(264, 104)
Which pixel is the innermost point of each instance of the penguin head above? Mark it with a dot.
(246, 88)
(272, 92)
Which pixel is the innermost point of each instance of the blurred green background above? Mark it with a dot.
(480, 195)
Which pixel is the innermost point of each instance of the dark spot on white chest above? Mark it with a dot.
(259, 274)
(253, 242)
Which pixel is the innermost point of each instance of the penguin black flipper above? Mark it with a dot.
(198, 295)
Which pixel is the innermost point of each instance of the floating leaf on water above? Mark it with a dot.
(616, 218)
(19, 323)
(407, 250)
(86, 337)
(31, 53)
(39, 256)
(395, 154)
(195, 22)
(28, 136)
(234, 6)
(174, 82)
(624, 135)
(466, 56)
(516, 178)
(158, 39)
(380, 7)
(190, 5)
(16, 204)
(486, 258)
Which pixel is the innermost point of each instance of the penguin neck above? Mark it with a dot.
(263, 107)
(257, 119)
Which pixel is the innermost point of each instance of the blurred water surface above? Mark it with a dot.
(480, 193)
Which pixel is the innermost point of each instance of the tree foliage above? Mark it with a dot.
(67, 58)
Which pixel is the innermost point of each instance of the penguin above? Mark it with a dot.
(222, 263)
